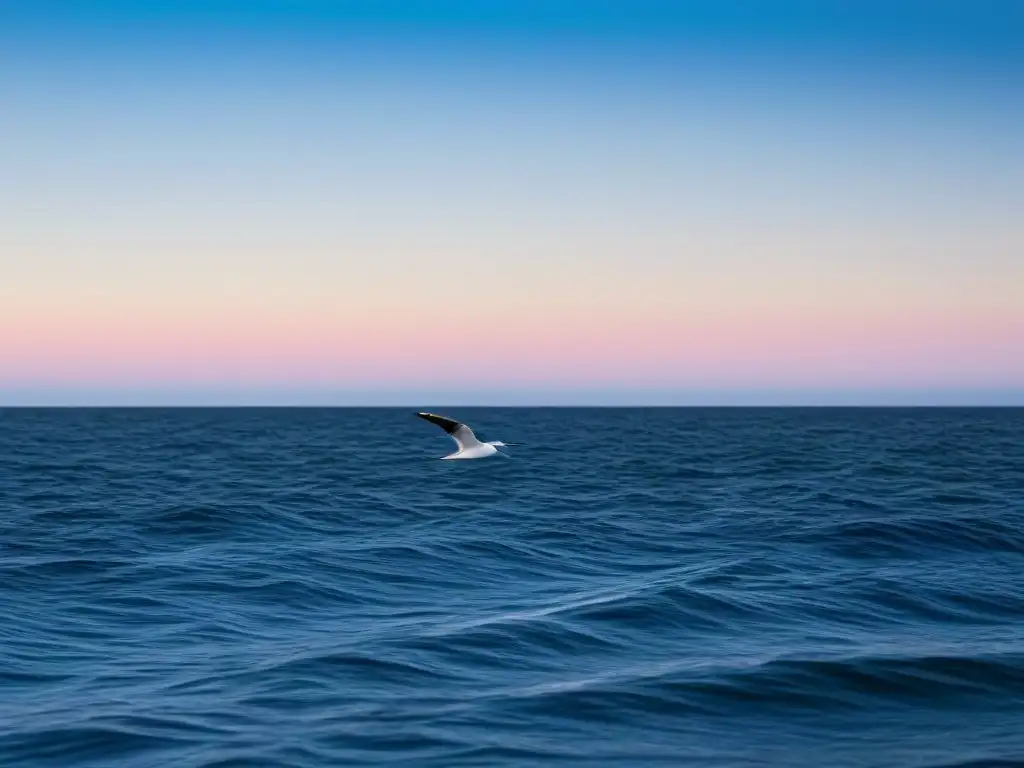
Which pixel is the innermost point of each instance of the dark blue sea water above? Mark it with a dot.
(719, 587)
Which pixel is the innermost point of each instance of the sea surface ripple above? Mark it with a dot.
(310, 587)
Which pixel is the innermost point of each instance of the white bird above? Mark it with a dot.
(469, 446)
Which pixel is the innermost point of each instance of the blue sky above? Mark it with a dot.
(642, 201)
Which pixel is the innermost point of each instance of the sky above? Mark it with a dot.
(497, 202)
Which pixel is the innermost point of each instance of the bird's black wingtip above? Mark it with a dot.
(448, 425)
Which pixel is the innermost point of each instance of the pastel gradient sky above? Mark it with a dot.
(473, 201)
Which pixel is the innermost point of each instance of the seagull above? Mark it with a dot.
(469, 446)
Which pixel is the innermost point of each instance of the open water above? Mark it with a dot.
(630, 587)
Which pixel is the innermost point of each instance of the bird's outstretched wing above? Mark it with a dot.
(459, 432)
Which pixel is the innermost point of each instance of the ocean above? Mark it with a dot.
(205, 588)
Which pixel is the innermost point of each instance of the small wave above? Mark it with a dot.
(865, 684)
(330, 665)
(82, 744)
(914, 536)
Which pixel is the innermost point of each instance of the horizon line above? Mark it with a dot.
(524, 407)
(482, 405)
(540, 397)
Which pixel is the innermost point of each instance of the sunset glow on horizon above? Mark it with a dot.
(342, 197)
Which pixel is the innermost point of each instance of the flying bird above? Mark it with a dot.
(469, 446)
